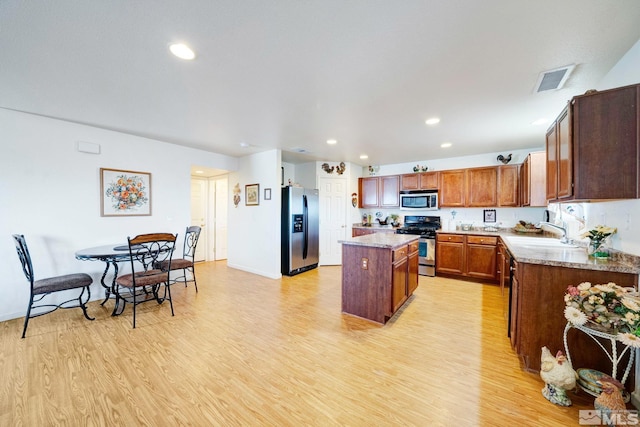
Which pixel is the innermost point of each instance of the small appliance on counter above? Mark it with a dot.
(300, 230)
(425, 227)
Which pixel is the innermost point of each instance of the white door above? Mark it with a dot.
(198, 216)
(221, 201)
(333, 219)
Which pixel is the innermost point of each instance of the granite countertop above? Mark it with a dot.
(571, 256)
(381, 240)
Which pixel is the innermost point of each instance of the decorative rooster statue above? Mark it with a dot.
(558, 375)
(504, 159)
(327, 169)
(341, 168)
(610, 401)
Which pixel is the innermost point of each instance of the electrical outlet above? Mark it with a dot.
(365, 263)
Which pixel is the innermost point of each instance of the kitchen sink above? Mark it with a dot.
(543, 242)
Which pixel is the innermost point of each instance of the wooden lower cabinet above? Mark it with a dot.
(537, 310)
(450, 254)
(361, 231)
(377, 281)
(467, 256)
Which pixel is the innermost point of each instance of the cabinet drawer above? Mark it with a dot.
(482, 240)
(399, 253)
(413, 247)
(454, 238)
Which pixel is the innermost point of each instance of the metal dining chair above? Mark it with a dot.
(40, 289)
(186, 263)
(145, 281)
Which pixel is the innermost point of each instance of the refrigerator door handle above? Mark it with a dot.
(305, 226)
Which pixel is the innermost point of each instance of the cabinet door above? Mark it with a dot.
(429, 181)
(399, 286)
(537, 179)
(605, 134)
(552, 163)
(513, 311)
(565, 156)
(481, 261)
(368, 192)
(482, 184)
(410, 181)
(525, 196)
(450, 254)
(508, 185)
(389, 191)
(412, 280)
(361, 232)
(452, 188)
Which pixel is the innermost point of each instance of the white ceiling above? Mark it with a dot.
(291, 74)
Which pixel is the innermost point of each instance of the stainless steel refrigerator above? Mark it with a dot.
(300, 230)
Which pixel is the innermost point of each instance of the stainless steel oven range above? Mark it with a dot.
(425, 227)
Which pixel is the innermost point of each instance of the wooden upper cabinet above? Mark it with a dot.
(419, 181)
(565, 157)
(560, 158)
(604, 129)
(508, 189)
(379, 191)
(368, 188)
(593, 148)
(482, 185)
(452, 188)
(552, 162)
(533, 180)
(389, 191)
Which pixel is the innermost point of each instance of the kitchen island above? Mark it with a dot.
(379, 274)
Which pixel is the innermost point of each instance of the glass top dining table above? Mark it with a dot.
(111, 255)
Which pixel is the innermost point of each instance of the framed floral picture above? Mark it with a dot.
(124, 193)
(252, 194)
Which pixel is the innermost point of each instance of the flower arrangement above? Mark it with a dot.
(610, 306)
(597, 236)
(127, 192)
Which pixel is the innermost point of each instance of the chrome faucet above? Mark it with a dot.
(562, 229)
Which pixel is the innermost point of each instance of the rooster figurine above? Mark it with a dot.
(504, 159)
(558, 375)
(610, 401)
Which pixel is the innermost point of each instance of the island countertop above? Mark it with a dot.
(381, 240)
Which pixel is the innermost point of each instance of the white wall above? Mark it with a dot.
(254, 231)
(50, 193)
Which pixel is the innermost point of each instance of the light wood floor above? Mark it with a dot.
(250, 351)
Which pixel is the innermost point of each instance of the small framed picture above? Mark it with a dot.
(489, 215)
(267, 194)
(252, 194)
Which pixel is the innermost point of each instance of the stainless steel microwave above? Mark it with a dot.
(419, 199)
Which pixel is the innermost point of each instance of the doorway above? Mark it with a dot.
(209, 211)
(333, 219)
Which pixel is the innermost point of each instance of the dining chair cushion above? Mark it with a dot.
(61, 283)
(143, 278)
(176, 264)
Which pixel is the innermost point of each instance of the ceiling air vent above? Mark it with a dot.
(553, 79)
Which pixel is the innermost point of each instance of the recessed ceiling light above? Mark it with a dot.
(199, 171)
(332, 141)
(244, 144)
(364, 156)
(445, 145)
(432, 121)
(539, 122)
(182, 51)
